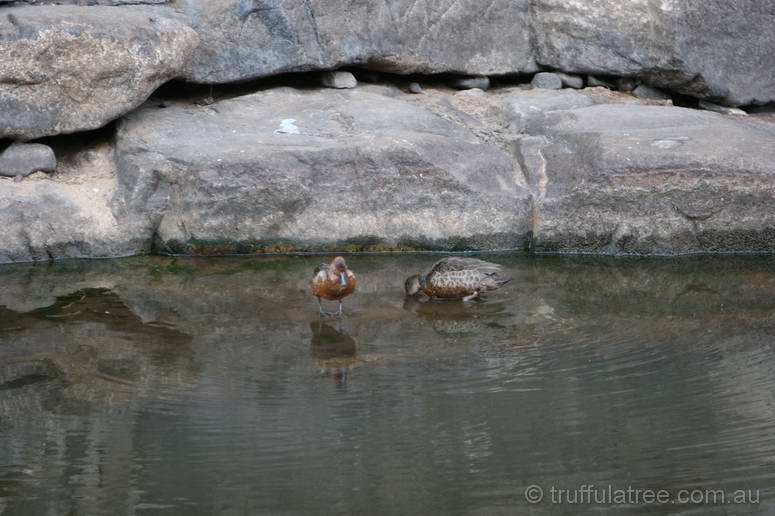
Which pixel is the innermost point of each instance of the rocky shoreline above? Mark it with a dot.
(549, 127)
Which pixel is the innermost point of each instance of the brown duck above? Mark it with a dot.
(332, 282)
(457, 278)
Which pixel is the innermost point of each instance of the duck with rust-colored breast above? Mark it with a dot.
(332, 282)
(457, 278)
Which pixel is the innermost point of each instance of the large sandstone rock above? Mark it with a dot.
(568, 171)
(66, 69)
(289, 170)
(707, 48)
(247, 39)
(612, 179)
(70, 217)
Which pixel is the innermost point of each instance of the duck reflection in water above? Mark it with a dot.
(334, 350)
(456, 319)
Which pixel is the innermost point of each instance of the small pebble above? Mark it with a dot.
(571, 81)
(546, 81)
(470, 83)
(649, 93)
(339, 80)
(595, 82)
(724, 110)
(415, 88)
(626, 84)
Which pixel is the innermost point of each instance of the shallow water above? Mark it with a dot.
(193, 386)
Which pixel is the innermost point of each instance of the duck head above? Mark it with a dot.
(412, 285)
(340, 268)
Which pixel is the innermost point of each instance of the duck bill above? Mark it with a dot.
(342, 279)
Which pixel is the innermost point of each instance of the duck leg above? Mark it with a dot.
(470, 298)
(340, 313)
(324, 313)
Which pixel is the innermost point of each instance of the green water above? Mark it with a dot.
(191, 386)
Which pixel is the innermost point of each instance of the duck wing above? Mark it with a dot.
(459, 264)
(469, 274)
(321, 267)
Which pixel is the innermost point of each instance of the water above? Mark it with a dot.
(193, 386)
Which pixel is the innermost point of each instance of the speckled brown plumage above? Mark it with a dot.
(460, 278)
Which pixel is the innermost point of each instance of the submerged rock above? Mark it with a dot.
(291, 170)
(66, 69)
(22, 159)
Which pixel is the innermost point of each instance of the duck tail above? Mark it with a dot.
(494, 281)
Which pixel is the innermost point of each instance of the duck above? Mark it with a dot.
(457, 278)
(333, 282)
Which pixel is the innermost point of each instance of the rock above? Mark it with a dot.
(571, 81)
(69, 216)
(374, 169)
(709, 49)
(17, 374)
(248, 39)
(22, 159)
(470, 83)
(547, 81)
(85, 2)
(626, 84)
(68, 69)
(415, 88)
(611, 179)
(724, 110)
(649, 93)
(597, 82)
(525, 106)
(324, 170)
(339, 80)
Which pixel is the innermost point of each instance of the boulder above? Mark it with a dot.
(288, 170)
(22, 159)
(68, 69)
(633, 179)
(248, 39)
(712, 49)
(65, 217)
